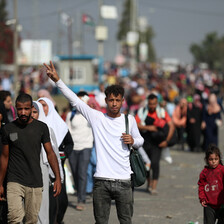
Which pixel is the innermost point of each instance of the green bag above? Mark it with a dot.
(137, 164)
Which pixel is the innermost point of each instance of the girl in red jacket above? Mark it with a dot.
(210, 186)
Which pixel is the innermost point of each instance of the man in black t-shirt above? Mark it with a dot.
(20, 158)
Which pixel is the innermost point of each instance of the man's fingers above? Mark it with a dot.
(47, 66)
(57, 189)
(52, 66)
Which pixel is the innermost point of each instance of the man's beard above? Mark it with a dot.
(24, 119)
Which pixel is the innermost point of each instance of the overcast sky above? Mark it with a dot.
(176, 23)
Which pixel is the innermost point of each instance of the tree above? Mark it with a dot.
(210, 51)
(147, 37)
(6, 36)
(125, 27)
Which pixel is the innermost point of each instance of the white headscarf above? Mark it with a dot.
(55, 122)
(42, 117)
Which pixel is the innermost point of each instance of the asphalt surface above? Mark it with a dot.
(176, 203)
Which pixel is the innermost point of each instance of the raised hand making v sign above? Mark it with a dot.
(51, 72)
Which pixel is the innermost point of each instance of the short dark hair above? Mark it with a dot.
(82, 93)
(115, 90)
(23, 97)
(212, 149)
(152, 96)
(4, 94)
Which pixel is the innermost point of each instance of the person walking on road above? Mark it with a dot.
(210, 186)
(211, 121)
(180, 119)
(58, 206)
(20, 158)
(38, 114)
(157, 129)
(113, 171)
(83, 143)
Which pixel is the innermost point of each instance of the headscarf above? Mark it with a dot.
(45, 93)
(93, 103)
(38, 106)
(55, 122)
(180, 113)
(197, 101)
(42, 117)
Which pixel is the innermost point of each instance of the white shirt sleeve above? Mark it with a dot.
(89, 113)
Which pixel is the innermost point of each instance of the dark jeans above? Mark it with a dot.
(154, 154)
(180, 134)
(79, 161)
(104, 191)
(211, 214)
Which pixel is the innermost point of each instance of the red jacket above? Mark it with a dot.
(210, 186)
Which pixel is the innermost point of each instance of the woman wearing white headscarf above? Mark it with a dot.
(65, 143)
(43, 217)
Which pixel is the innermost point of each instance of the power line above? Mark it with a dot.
(54, 13)
(191, 11)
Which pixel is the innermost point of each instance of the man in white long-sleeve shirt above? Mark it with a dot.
(113, 171)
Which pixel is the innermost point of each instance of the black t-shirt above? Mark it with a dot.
(24, 151)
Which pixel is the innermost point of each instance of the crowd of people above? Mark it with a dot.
(181, 110)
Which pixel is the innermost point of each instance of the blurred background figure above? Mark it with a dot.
(179, 119)
(194, 119)
(83, 143)
(157, 129)
(211, 121)
(6, 98)
(100, 97)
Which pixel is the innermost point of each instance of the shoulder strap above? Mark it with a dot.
(126, 124)
(127, 127)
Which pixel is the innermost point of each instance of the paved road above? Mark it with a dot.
(177, 202)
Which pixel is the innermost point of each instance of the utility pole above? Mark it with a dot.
(133, 28)
(70, 45)
(59, 33)
(16, 84)
(100, 23)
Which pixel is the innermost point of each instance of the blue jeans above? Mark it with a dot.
(90, 171)
(104, 191)
(79, 161)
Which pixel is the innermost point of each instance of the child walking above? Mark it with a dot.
(210, 186)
